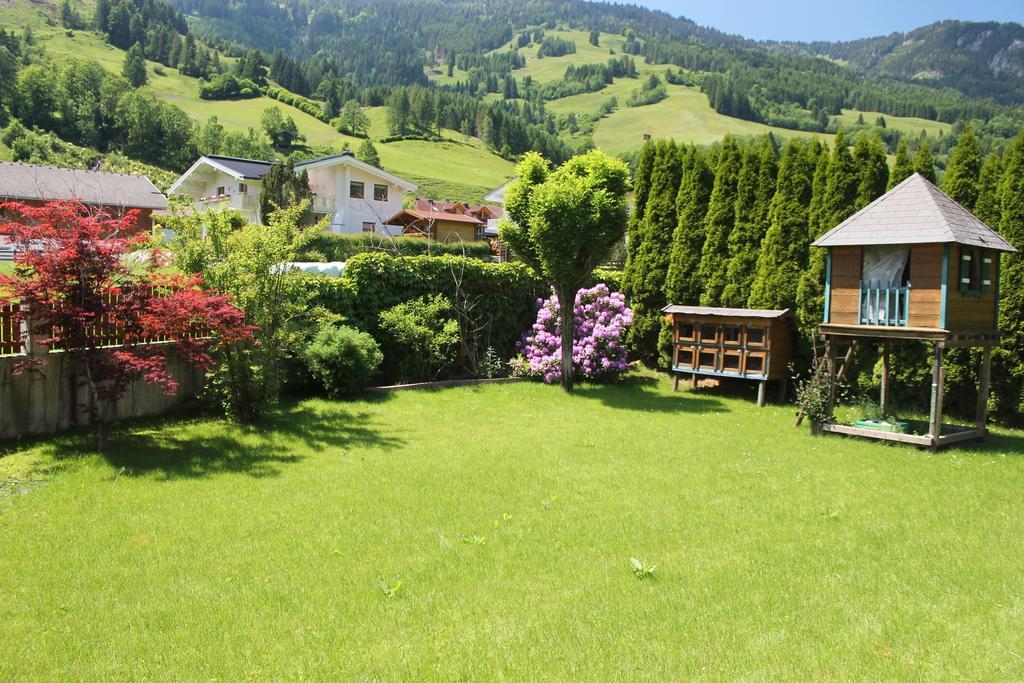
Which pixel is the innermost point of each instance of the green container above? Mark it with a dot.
(897, 426)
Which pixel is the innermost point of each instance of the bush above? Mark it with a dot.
(600, 320)
(342, 359)
(423, 337)
(301, 103)
(228, 87)
(335, 247)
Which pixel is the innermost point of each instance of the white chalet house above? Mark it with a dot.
(357, 196)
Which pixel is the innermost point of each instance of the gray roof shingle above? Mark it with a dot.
(913, 212)
(252, 169)
(35, 182)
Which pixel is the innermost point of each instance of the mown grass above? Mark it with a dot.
(199, 549)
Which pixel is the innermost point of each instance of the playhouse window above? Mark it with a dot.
(975, 271)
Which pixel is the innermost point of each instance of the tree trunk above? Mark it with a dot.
(566, 306)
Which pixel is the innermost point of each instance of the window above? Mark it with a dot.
(242, 188)
(369, 227)
(220, 191)
(975, 271)
(355, 190)
(380, 193)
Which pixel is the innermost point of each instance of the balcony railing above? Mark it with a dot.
(323, 203)
(889, 306)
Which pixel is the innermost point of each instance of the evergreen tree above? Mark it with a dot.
(135, 66)
(874, 170)
(924, 162)
(768, 170)
(783, 254)
(1008, 368)
(368, 153)
(714, 260)
(841, 185)
(903, 168)
(283, 188)
(817, 223)
(745, 239)
(102, 15)
(634, 235)
(988, 206)
(650, 262)
(964, 171)
(682, 285)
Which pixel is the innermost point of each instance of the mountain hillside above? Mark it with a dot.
(979, 59)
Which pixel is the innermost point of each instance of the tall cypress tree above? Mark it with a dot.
(924, 162)
(634, 234)
(682, 285)
(988, 206)
(714, 260)
(767, 176)
(874, 170)
(903, 168)
(650, 262)
(745, 238)
(817, 223)
(841, 185)
(784, 251)
(964, 171)
(1008, 373)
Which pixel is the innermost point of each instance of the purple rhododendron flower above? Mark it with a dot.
(600, 320)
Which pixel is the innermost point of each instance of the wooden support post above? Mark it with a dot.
(830, 355)
(884, 400)
(938, 381)
(675, 381)
(693, 381)
(760, 393)
(782, 390)
(984, 381)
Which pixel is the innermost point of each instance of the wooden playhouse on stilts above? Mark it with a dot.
(913, 265)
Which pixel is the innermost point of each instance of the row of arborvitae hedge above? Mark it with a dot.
(335, 247)
(500, 298)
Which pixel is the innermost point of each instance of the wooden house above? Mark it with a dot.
(914, 264)
(737, 343)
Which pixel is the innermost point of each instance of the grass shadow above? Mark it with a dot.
(640, 393)
(201, 447)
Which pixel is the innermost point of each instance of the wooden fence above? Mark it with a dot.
(106, 333)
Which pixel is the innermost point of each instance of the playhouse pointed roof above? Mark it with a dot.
(913, 212)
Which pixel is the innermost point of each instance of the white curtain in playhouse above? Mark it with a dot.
(883, 268)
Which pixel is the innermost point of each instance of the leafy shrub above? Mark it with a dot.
(228, 87)
(301, 103)
(342, 359)
(422, 336)
(335, 247)
(600, 320)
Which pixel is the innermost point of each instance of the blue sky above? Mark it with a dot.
(824, 20)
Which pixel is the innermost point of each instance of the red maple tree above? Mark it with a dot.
(117, 324)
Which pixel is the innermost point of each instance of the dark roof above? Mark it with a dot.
(306, 162)
(913, 212)
(726, 312)
(35, 182)
(252, 169)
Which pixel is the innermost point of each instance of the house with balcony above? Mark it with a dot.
(358, 197)
(914, 265)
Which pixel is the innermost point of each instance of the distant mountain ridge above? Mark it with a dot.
(981, 59)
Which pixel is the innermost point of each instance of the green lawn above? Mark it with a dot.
(197, 549)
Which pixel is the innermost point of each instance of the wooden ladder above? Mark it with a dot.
(822, 366)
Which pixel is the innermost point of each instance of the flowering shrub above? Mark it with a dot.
(600, 319)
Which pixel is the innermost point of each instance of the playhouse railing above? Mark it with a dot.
(884, 305)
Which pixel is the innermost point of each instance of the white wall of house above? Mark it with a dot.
(204, 186)
(333, 186)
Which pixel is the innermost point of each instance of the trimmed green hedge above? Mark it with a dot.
(503, 295)
(301, 103)
(335, 247)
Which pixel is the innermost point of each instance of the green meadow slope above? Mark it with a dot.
(684, 115)
(460, 167)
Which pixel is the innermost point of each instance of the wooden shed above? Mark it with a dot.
(914, 264)
(739, 343)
